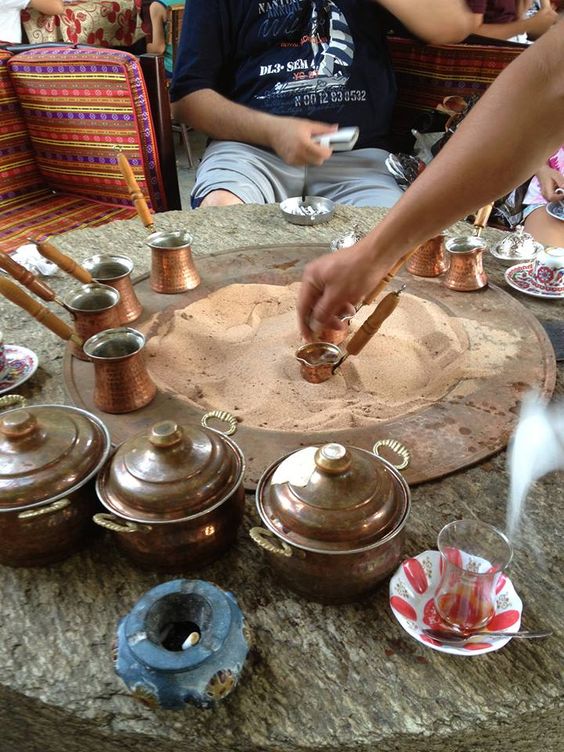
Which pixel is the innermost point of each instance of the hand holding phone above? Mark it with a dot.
(342, 140)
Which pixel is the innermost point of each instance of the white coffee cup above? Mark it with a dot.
(548, 270)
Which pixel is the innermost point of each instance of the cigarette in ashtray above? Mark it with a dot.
(308, 211)
(192, 639)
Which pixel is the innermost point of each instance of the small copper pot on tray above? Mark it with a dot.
(334, 519)
(175, 496)
(49, 455)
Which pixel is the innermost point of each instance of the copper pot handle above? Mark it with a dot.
(111, 522)
(264, 539)
(224, 416)
(12, 400)
(398, 448)
(56, 506)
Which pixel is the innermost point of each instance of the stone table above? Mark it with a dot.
(331, 679)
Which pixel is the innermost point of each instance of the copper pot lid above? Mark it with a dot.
(333, 498)
(172, 473)
(48, 451)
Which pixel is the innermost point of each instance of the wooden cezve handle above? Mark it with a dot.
(39, 312)
(64, 262)
(384, 309)
(27, 278)
(481, 218)
(135, 192)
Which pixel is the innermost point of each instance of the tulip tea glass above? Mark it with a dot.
(473, 557)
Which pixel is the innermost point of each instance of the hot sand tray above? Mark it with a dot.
(489, 345)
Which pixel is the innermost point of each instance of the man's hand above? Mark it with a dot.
(550, 180)
(334, 284)
(292, 139)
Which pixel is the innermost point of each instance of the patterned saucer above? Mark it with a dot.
(21, 363)
(556, 209)
(412, 590)
(520, 277)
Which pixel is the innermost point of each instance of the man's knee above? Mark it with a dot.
(220, 198)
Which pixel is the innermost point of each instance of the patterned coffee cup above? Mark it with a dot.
(548, 270)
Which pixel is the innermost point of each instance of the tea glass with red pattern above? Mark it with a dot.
(473, 558)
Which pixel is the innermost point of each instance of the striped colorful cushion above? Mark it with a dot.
(426, 74)
(43, 214)
(19, 175)
(80, 103)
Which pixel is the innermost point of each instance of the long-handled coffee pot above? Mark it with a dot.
(319, 360)
(16, 295)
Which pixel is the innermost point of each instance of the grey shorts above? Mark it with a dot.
(257, 176)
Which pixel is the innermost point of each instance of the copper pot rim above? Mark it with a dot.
(83, 481)
(100, 491)
(265, 478)
(101, 258)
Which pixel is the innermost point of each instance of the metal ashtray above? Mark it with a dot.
(313, 210)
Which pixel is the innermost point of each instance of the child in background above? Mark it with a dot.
(158, 11)
(10, 18)
(542, 189)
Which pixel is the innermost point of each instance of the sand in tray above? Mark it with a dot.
(235, 350)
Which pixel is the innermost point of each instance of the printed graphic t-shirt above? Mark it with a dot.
(314, 59)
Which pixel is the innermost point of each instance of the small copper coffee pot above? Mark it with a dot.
(172, 266)
(115, 270)
(122, 382)
(429, 259)
(94, 307)
(466, 271)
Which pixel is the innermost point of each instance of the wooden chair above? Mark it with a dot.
(175, 17)
(58, 168)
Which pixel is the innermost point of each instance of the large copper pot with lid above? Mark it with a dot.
(334, 519)
(175, 496)
(49, 455)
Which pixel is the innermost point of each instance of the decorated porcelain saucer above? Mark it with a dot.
(21, 363)
(412, 590)
(521, 278)
(556, 209)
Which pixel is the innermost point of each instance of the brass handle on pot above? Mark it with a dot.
(264, 539)
(56, 506)
(12, 400)
(223, 415)
(398, 448)
(111, 522)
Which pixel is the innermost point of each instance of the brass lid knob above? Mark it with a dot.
(333, 459)
(18, 424)
(166, 433)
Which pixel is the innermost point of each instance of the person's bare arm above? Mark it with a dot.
(157, 13)
(291, 138)
(434, 21)
(48, 7)
(518, 123)
(535, 26)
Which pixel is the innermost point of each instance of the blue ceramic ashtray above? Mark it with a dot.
(184, 641)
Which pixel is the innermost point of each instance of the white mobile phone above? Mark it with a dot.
(342, 140)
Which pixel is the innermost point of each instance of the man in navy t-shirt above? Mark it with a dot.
(263, 77)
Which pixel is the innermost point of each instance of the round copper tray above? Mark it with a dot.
(443, 437)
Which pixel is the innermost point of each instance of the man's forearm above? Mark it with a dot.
(516, 125)
(503, 30)
(434, 21)
(218, 117)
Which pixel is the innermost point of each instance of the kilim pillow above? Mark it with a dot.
(426, 74)
(80, 103)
